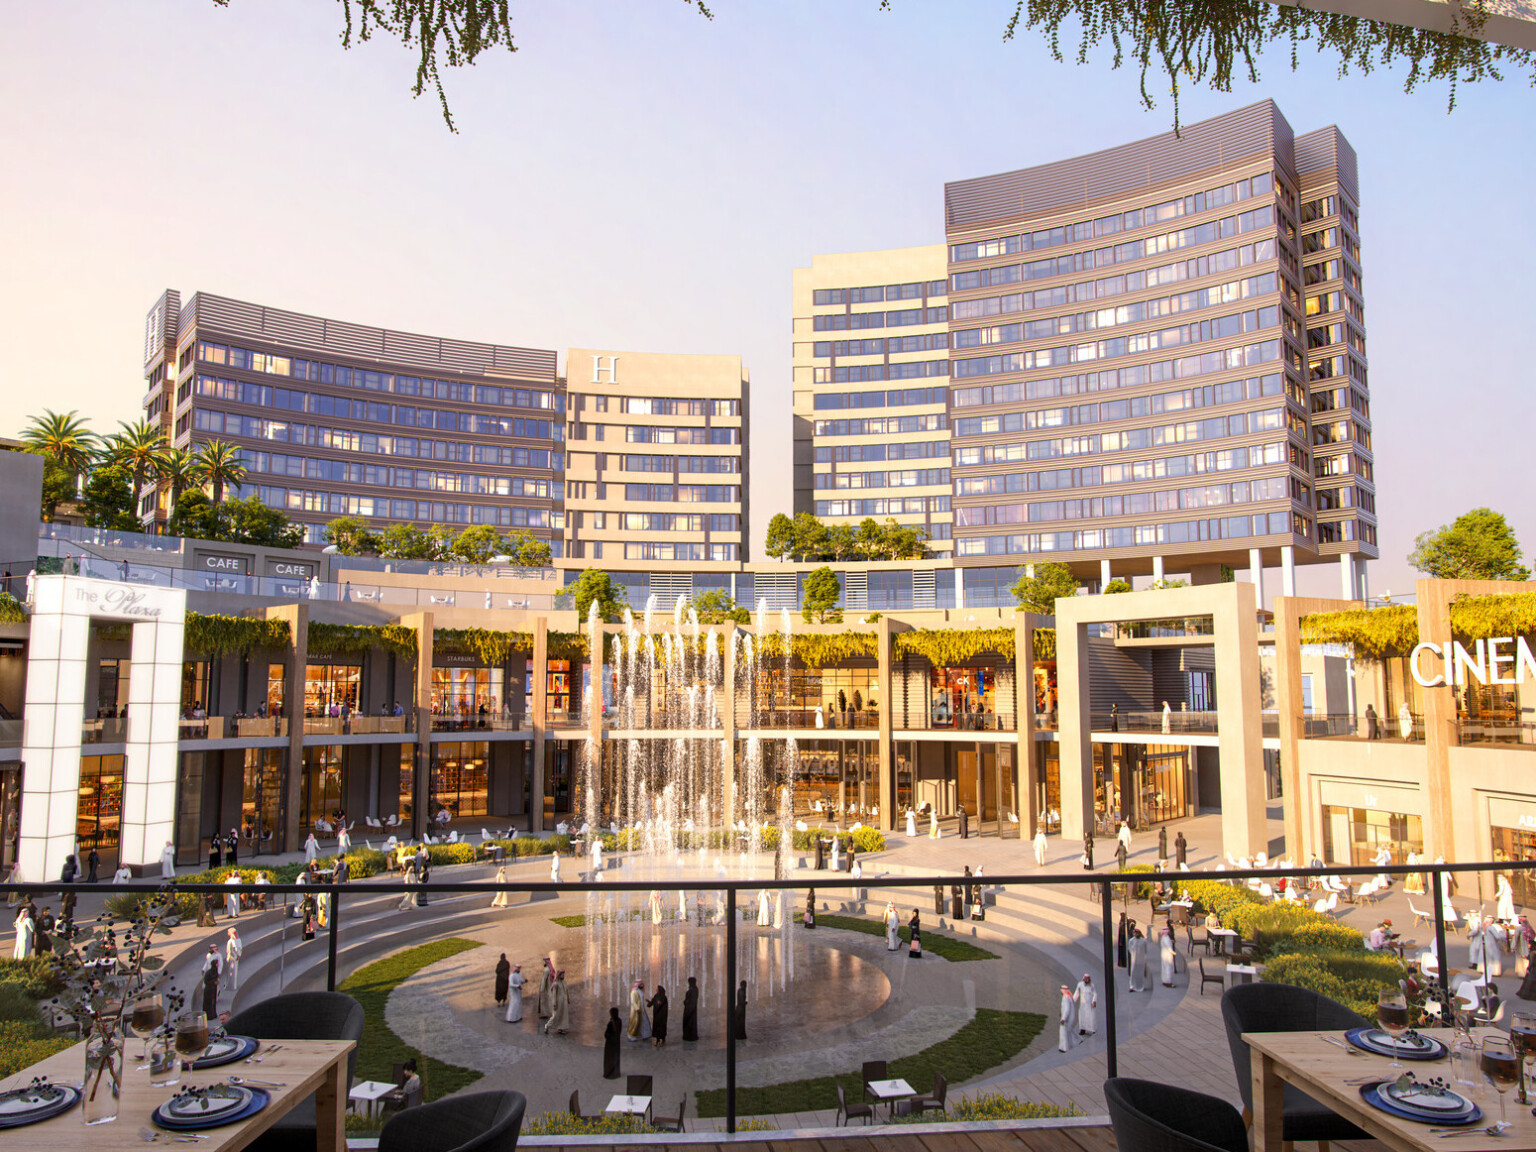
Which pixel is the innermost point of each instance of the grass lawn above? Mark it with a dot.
(935, 942)
(994, 1037)
(380, 1049)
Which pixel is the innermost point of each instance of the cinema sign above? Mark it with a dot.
(1502, 660)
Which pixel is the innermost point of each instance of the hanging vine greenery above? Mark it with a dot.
(564, 646)
(488, 645)
(946, 647)
(215, 635)
(1207, 41)
(1481, 617)
(821, 649)
(355, 639)
(11, 611)
(1373, 633)
(1045, 644)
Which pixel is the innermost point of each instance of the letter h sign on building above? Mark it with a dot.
(63, 608)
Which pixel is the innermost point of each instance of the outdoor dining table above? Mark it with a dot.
(303, 1067)
(629, 1105)
(368, 1095)
(1323, 1070)
(890, 1091)
(1221, 936)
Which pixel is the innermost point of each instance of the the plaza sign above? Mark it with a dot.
(1501, 660)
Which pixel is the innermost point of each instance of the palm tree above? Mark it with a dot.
(177, 467)
(63, 436)
(218, 463)
(138, 447)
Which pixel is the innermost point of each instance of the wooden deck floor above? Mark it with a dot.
(899, 1139)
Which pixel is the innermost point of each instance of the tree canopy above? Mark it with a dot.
(1039, 593)
(1477, 545)
(596, 586)
(108, 500)
(819, 599)
(807, 538)
(716, 606)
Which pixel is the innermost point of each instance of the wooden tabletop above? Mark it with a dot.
(1323, 1071)
(303, 1066)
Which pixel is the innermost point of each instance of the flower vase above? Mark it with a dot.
(103, 1072)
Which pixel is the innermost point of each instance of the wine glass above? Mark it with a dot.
(1522, 1034)
(147, 1015)
(1392, 1016)
(192, 1039)
(1500, 1067)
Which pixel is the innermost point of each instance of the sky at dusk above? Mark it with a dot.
(638, 177)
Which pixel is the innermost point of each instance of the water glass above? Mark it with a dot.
(1392, 1016)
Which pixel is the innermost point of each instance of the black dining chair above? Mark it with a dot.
(477, 1122)
(638, 1086)
(1151, 1117)
(846, 1112)
(300, 1016)
(1287, 1008)
(672, 1123)
(873, 1070)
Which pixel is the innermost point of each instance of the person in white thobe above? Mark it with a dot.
(1504, 895)
(892, 927)
(837, 854)
(123, 875)
(554, 868)
(1445, 891)
(500, 899)
(25, 931)
(343, 841)
(1066, 1033)
(1087, 998)
(1166, 956)
(1405, 720)
(764, 913)
(911, 823)
(1382, 859)
(168, 862)
(933, 824)
(1040, 844)
(234, 948)
(1125, 835)
(1475, 939)
(232, 897)
(1136, 949)
(311, 848)
(1167, 718)
(515, 984)
(597, 854)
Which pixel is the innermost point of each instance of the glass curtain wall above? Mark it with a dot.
(261, 798)
(99, 812)
(1355, 835)
(460, 774)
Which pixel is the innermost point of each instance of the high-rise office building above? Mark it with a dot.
(1159, 357)
(337, 419)
(871, 375)
(657, 458)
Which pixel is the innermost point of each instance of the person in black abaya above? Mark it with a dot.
(821, 853)
(215, 852)
(956, 903)
(1120, 958)
(691, 1011)
(503, 978)
(611, 1036)
(740, 1021)
(92, 863)
(659, 1012)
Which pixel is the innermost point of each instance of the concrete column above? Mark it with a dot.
(1239, 726)
(1074, 731)
(1256, 574)
(728, 728)
(1364, 578)
(886, 759)
(1346, 575)
(1104, 576)
(1026, 762)
(592, 806)
(959, 589)
(297, 616)
(540, 721)
(1287, 570)
(733, 587)
(1157, 568)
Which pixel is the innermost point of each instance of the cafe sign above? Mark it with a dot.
(1501, 660)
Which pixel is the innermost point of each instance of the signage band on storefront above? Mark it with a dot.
(1485, 663)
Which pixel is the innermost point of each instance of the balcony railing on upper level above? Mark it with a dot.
(474, 723)
(1504, 731)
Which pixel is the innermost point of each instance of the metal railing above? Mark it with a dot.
(488, 723)
(1489, 730)
(1106, 886)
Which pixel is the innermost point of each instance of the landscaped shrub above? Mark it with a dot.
(15, 1004)
(993, 1106)
(444, 854)
(24, 1043)
(1353, 978)
(1213, 896)
(607, 1124)
(1141, 889)
(36, 975)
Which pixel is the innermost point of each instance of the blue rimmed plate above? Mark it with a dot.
(228, 1049)
(1409, 1046)
(38, 1101)
(180, 1115)
(1374, 1094)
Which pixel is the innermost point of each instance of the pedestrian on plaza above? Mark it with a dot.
(1087, 997)
(1066, 1032)
(965, 823)
(1167, 718)
(168, 862)
(424, 870)
(546, 989)
(660, 1010)
(611, 1036)
(70, 870)
(1162, 843)
(690, 1011)
(1120, 854)
(232, 848)
(1088, 850)
(503, 979)
(1372, 722)
(915, 945)
(215, 853)
(740, 1016)
(92, 863)
(1114, 717)
(1120, 934)
(809, 919)
(515, 984)
(1136, 955)
(211, 984)
(560, 1020)
(1040, 845)
(408, 878)
(1180, 849)
(956, 903)
(232, 897)
(234, 948)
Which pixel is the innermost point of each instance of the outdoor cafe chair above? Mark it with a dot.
(478, 1122)
(1151, 1117)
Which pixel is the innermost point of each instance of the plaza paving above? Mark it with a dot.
(1043, 935)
